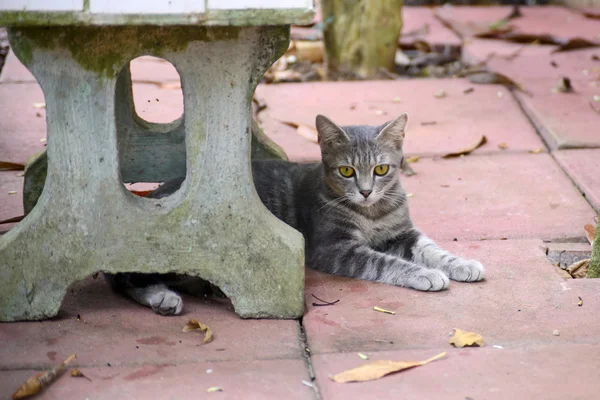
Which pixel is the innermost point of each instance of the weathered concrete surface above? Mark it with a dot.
(86, 221)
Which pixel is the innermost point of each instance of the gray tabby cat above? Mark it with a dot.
(351, 209)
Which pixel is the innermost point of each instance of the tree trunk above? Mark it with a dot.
(594, 269)
(361, 36)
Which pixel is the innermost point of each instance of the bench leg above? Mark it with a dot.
(86, 221)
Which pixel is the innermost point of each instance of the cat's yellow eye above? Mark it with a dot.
(382, 169)
(346, 172)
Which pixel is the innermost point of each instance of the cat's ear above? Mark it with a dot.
(330, 134)
(393, 131)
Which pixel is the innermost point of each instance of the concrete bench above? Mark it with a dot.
(85, 220)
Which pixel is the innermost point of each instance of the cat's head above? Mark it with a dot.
(362, 162)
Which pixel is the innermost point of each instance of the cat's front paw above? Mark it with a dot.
(166, 302)
(428, 280)
(466, 271)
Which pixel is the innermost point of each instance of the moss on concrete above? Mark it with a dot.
(255, 17)
(106, 49)
(594, 269)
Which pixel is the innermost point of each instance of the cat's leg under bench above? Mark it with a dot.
(86, 221)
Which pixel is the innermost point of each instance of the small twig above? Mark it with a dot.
(324, 303)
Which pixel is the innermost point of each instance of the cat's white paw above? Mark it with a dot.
(466, 271)
(166, 302)
(428, 280)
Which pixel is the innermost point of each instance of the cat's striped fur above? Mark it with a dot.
(357, 226)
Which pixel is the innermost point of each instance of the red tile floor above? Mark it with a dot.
(500, 206)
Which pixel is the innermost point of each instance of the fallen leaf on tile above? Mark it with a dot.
(413, 159)
(503, 146)
(214, 389)
(39, 105)
(536, 151)
(556, 332)
(307, 383)
(9, 166)
(307, 132)
(462, 338)
(396, 99)
(36, 383)
(384, 311)
(575, 44)
(580, 302)
(563, 86)
(195, 325)
(409, 194)
(494, 78)
(378, 369)
(12, 192)
(169, 85)
(590, 232)
(579, 269)
(363, 356)
(440, 94)
(141, 193)
(76, 373)
(480, 142)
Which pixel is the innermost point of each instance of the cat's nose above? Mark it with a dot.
(365, 193)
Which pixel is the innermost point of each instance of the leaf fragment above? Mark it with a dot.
(39, 105)
(36, 383)
(362, 356)
(579, 269)
(76, 373)
(563, 86)
(536, 151)
(590, 232)
(9, 166)
(503, 146)
(213, 389)
(468, 150)
(195, 325)
(440, 94)
(556, 332)
(378, 369)
(576, 43)
(462, 338)
(413, 159)
(12, 192)
(307, 132)
(384, 311)
(490, 78)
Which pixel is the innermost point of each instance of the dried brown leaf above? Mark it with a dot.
(462, 338)
(307, 132)
(76, 373)
(169, 85)
(36, 383)
(378, 369)
(480, 142)
(491, 78)
(590, 232)
(306, 50)
(384, 311)
(579, 269)
(196, 325)
(563, 86)
(575, 44)
(9, 166)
